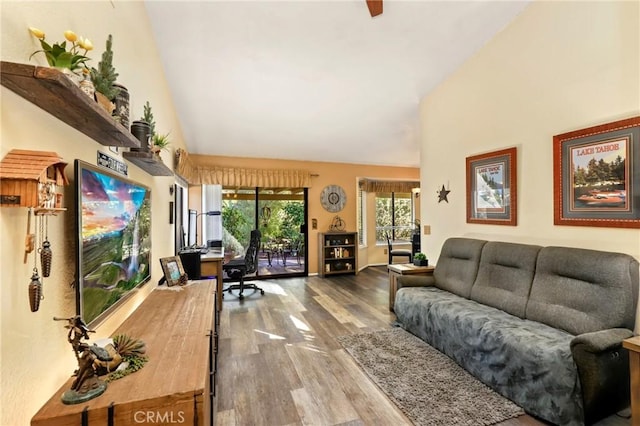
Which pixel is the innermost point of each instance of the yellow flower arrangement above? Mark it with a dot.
(58, 56)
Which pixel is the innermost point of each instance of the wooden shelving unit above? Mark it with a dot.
(52, 91)
(148, 162)
(338, 253)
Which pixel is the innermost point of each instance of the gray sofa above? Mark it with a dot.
(542, 326)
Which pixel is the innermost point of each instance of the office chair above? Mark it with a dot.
(397, 252)
(237, 269)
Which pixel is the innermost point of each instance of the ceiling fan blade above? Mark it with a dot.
(375, 7)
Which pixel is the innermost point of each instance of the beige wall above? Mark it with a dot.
(35, 356)
(560, 66)
(343, 174)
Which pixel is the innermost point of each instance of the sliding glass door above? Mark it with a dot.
(280, 215)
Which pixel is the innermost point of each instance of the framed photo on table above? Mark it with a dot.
(596, 175)
(173, 271)
(492, 188)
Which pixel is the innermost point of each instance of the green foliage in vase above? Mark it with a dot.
(420, 256)
(160, 141)
(58, 56)
(105, 75)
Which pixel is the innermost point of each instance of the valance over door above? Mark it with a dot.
(240, 177)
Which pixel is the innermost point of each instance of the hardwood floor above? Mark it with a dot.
(279, 362)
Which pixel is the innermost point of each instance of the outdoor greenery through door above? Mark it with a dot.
(279, 214)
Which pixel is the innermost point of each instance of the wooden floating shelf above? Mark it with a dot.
(148, 162)
(52, 91)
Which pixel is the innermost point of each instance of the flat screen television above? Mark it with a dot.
(113, 223)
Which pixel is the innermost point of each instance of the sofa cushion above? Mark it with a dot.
(528, 362)
(582, 291)
(505, 276)
(457, 265)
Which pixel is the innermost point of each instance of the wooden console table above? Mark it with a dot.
(397, 270)
(177, 384)
(633, 345)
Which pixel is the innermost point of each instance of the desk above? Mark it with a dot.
(399, 269)
(633, 344)
(210, 265)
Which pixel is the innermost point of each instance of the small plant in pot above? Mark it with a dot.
(420, 259)
(71, 61)
(104, 78)
(159, 143)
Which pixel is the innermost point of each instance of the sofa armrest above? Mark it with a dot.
(603, 340)
(603, 368)
(415, 281)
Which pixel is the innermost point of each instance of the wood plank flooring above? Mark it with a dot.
(279, 362)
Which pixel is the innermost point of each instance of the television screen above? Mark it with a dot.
(114, 240)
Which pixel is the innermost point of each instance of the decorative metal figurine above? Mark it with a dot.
(443, 194)
(337, 225)
(86, 385)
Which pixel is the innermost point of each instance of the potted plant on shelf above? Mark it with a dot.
(420, 259)
(71, 62)
(158, 142)
(104, 78)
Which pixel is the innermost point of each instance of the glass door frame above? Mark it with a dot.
(258, 224)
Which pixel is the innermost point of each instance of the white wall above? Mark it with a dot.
(35, 356)
(559, 66)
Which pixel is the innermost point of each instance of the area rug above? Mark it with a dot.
(429, 387)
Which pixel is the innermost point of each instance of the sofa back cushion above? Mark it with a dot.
(505, 275)
(582, 291)
(457, 265)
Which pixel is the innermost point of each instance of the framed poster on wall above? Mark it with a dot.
(492, 188)
(596, 175)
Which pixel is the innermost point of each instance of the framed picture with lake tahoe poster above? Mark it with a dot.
(596, 175)
(492, 188)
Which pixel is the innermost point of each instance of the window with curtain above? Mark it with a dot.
(394, 215)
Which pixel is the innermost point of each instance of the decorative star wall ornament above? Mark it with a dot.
(442, 194)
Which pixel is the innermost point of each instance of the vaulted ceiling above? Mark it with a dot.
(314, 80)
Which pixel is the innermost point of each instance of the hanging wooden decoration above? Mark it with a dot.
(32, 179)
(29, 240)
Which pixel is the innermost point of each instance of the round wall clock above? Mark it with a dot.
(333, 198)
